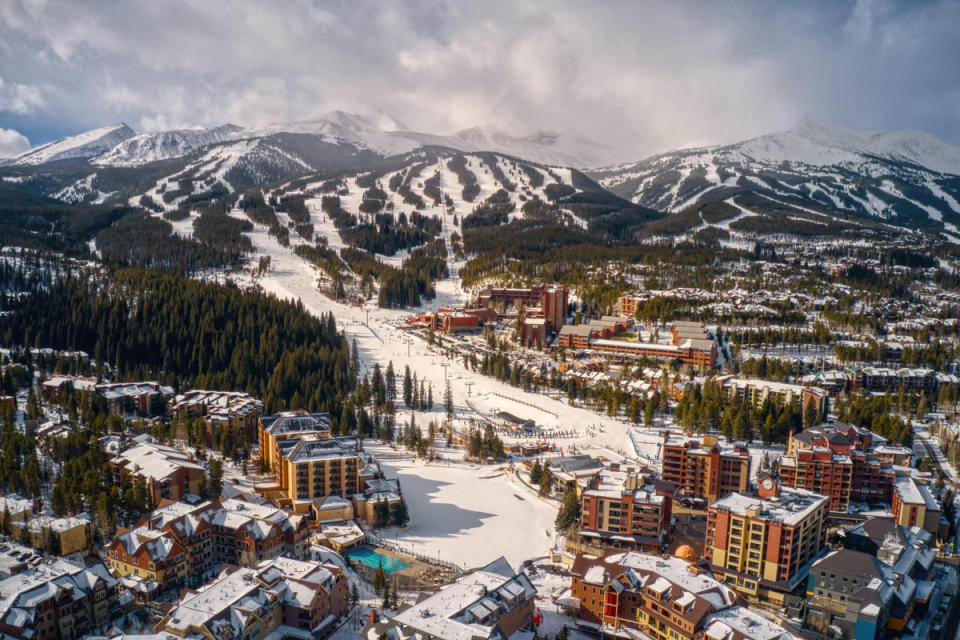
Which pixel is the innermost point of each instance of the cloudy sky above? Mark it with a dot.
(647, 75)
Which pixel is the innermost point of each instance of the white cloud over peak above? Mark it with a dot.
(12, 143)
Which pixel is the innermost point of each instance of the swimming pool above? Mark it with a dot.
(373, 559)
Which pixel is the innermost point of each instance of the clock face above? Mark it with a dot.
(767, 483)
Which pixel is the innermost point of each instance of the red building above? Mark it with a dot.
(840, 461)
(704, 469)
(620, 509)
(551, 300)
(664, 598)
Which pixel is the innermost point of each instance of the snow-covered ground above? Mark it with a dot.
(471, 514)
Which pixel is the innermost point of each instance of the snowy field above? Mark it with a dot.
(471, 514)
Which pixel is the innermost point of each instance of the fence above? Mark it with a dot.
(373, 539)
(529, 404)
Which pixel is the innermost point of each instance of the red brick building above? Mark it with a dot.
(620, 509)
(665, 598)
(706, 469)
(840, 461)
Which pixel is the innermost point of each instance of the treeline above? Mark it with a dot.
(28, 220)
(704, 408)
(493, 212)
(384, 233)
(188, 333)
(142, 240)
(458, 164)
(876, 413)
(774, 336)
(257, 209)
(322, 256)
(408, 285)
(214, 228)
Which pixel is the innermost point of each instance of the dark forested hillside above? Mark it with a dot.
(150, 324)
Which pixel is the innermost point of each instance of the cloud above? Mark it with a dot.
(19, 98)
(12, 143)
(643, 75)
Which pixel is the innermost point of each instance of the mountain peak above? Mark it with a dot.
(81, 146)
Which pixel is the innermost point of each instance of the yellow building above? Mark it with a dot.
(73, 533)
(147, 553)
(759, 545)
(288, 426)
(314, 467)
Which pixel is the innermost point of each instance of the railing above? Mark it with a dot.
(373, 539)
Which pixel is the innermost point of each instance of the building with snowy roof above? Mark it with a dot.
(289, 425)
(880, 582)
(220, 409)
(180, 543)
(621, 509)
(69, 533)
(60, 599)
(491, 603)
(844, 462)
(763, 545)
(142, 399)
(170, 474)
(634, 595)
(915, 505)
(280, 598)
(707, 468)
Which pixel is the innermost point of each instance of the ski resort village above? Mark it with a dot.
(341, 379)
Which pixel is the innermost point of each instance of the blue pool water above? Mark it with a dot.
(373, 559)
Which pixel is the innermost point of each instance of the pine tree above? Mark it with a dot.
(546, 481)
(570, 510)
(379, 579)
(536, 472)
(448, 401)
(430, 398)
(215, 483)
(354, 595)
(407, 388)
(398, 513)
(391, 381)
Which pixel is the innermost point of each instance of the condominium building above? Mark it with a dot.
(143, 399)
(762, 545)
(170, 474)
(842, 461)
(704, 468)
(148, 554)
(822, 472)
(619, 508)
(180, 543)
(69, 534)
(55, 600)
(491, 603)
(282, 597)
(287, 426)
(756, 392)
(633, 595)
(219, 409)
(317, 466)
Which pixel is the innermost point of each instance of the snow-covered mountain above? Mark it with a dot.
(379, 133)
(81, 146)
(150, 147)
(904, 178)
